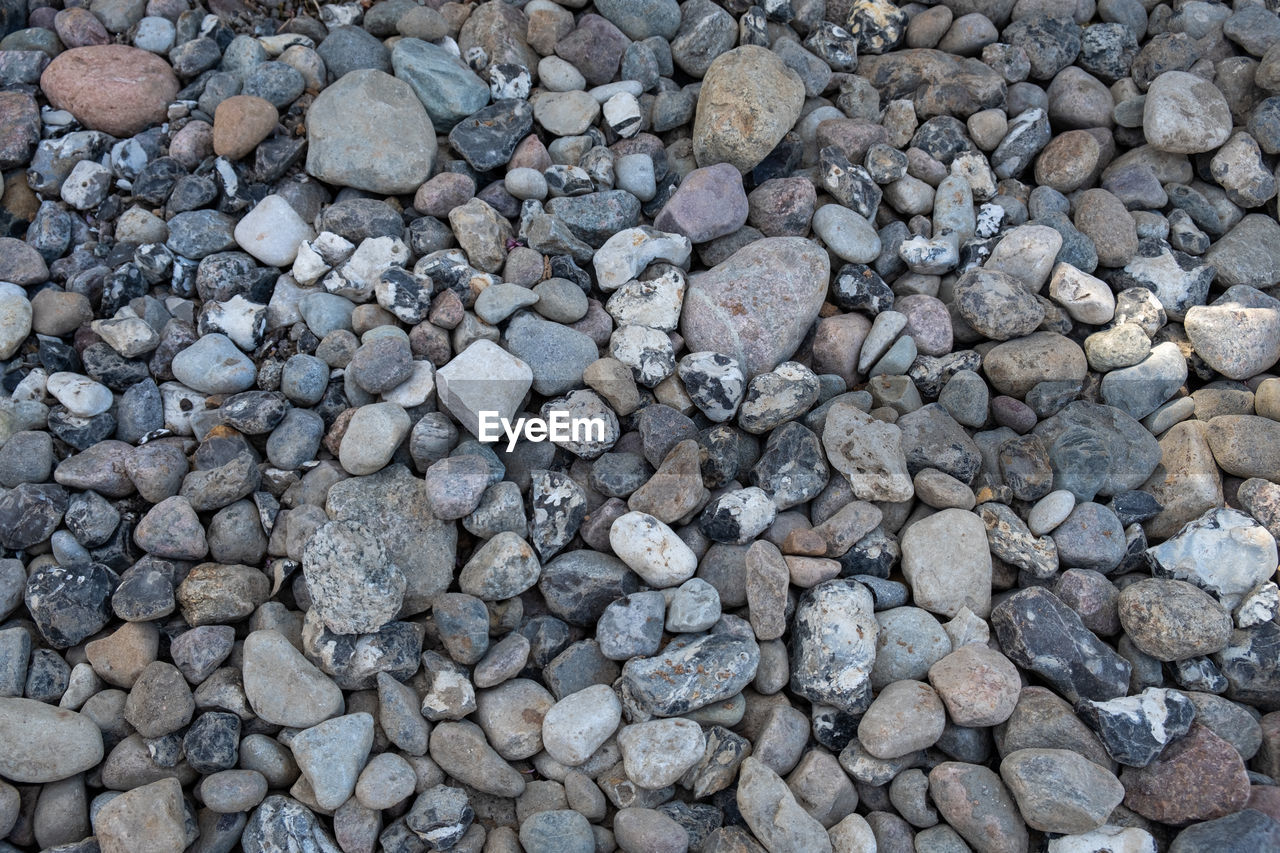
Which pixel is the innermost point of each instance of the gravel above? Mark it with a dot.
(930, 490)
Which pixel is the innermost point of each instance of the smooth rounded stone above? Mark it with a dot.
(1245, 445)
(356, 130)
(354, 587)
(1069, 161)
(373, 434)
(1015, 367)
(709, 203)
(331, 754)
(996, 305)
(502, 568)
(631, 626)
(113, 88)
(561, 300)
(172, 530)
(1123, 345)
(447, 88)
(781, 278)
(1185, 114)
(214, 365)
(15, 318)
(566, 113)
(580, 723)
(1142, 388)
(272, 232)
(148, 818)
(1173, 620)
(649, 829)
(652, 550)
(283, 687)
(978, 685)
(658, 752)
(81, 396)
(833, 644)
(45, 743)
(232, 791)
(748, 101)
(1197, 777)
(1060, 791)
(240, 123)
(557, 831)
(1090, 537)
(1237, 341)
(974, 801)
(511, 714)
(461, 751)
(847, 234)
(694, 607)
(906, 716)
(1250, 829)
(946, 561)
(910, 641)
(774, 816)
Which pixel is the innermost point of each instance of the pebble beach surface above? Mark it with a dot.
(925, 484)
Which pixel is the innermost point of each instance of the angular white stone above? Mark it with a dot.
(1086, 298)
(625, 255)
(483, 377)
(272, 232)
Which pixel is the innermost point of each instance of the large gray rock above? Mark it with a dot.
(758, 304)
(369, 131)
(45, 744)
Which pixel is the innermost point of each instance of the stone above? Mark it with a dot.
(748, 101)
(1038, 632)
(906, 716)
(283, 687)
(114, 88)
(1173, 620)
(356, 131)
(46, 744)
(782, 278)
(1184, 114)
(833, 645)
(331, 754)
(1197, 777)
(978, 685)
(974, 801)
(946, 560)
(273, 231)
(148, 819)
(447, 88)
(868, 452)
(1060, 791)
(1224, 552)
(1135, 729)
(355, 589)
(1238, 342)
(771, 811)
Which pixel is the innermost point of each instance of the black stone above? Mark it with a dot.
(857, 287)
(1134, 506)
(558, 507)
(721, 455)
(547, 636)
(141, 411)
(156, 180)
(56, 356)
(1037, 631)
(191, 192)
(849, 184)
(1129, 730)
(617, 475)
(47, 676)
(1251, 664)
(578, 585)
(145, 591)
(486, 139)
(107, 366)
(874, 555)
(254, 412)
(579, 666)
(91, 518)
(212, 743)
(354, 660)
(792, 468)
(69, 603)
(359, 219)
(782, 161)
(886, 594)
(595, 217)
(29, 513)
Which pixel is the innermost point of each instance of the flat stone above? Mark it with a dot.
(357, 129)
